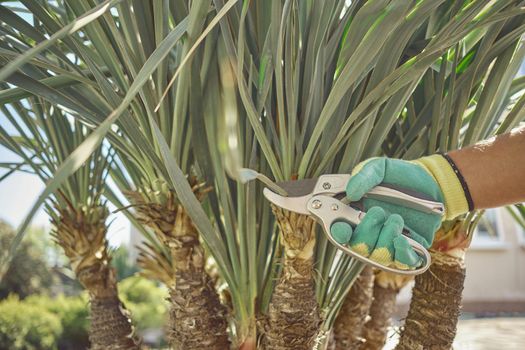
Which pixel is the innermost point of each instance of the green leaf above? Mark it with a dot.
(72, 27)
(84, 151)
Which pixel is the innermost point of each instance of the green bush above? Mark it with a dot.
(28, 272)
(120, 261)
(26, 327)
(146, 301)
(41, 322)
(73, 314)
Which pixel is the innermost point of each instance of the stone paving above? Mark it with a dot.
(484, 334)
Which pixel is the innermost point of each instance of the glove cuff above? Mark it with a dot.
(450, 180)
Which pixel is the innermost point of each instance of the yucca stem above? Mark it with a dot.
(435, 307)
(81, 232)
(386, 288)
(111, 326)
(293, 319)
(197, 317)
(352, 316)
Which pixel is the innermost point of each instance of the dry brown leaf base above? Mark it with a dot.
(436, 302)
(349, 323)
(198, 319)
(293, 316)
(381, 310)
(293, 320)
(82, 234)
(111, 328)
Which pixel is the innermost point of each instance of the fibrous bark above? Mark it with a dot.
(386, 288)
(197, 317)
(436, 302)
(82, 234)
(352, 316)
(111, 326)
(293, 321)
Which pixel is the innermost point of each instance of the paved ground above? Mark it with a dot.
(485, 334)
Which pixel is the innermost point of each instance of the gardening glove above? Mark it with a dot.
(379, 235)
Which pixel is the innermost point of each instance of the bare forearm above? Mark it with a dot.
(494, 170)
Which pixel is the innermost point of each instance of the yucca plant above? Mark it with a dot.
(108, 54)
(323, 86)
(473, 96)
(317, 87)
(42, 136)
(431, 117)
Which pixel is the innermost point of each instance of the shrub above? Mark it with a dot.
(145, 300)
(122, 264)
(73, 314)
(26, 327)
(28, 272)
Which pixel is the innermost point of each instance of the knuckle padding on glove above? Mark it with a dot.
(365, 236)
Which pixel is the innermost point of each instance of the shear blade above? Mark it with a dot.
(297, 188)
(295, 204)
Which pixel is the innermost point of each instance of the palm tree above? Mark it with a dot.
(42, 137)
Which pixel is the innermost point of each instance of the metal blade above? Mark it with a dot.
(298, 188)
(295, 204)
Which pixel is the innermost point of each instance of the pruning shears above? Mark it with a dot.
(324, 200)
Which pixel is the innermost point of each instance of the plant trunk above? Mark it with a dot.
(386, 288)
(352, 316)
(293, 317)
(435, 307)
(82, 234)
(197, 317)
(111, 326)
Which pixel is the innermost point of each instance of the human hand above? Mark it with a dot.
(379, 235)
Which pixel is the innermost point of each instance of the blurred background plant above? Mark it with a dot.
(43, 307)
(29, 272)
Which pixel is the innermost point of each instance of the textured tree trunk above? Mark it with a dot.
(111, 326)
(348, 326)
(293, 318)
(82, 234)
(386, 288)
(435, 307)
(197, 317)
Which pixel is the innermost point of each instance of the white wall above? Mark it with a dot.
(496, 270)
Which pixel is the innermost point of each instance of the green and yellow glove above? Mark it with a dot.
(379, 235)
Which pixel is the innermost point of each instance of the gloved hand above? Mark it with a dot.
(379, 235)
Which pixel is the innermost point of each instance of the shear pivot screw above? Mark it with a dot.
(327, 185)
(316, 204)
